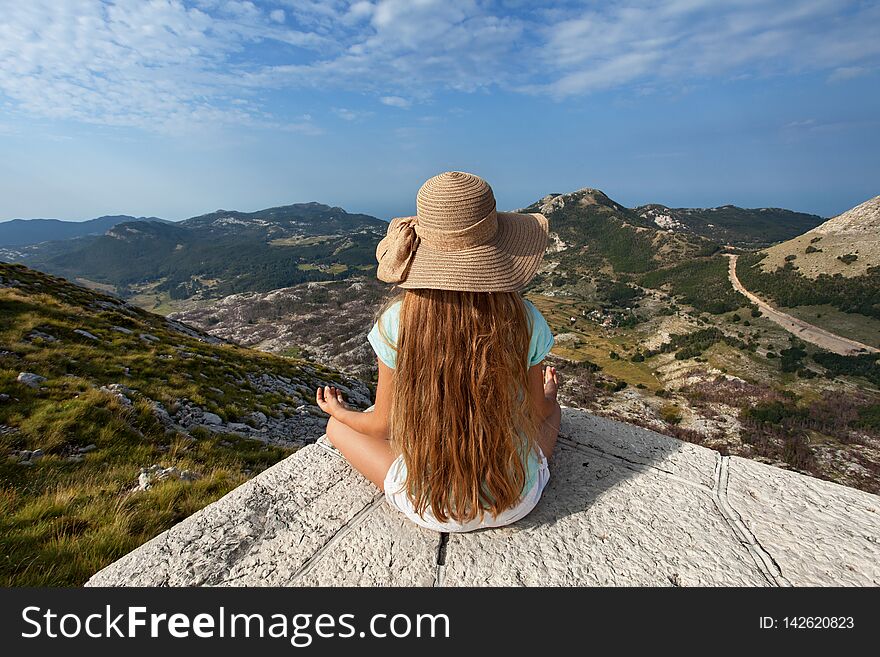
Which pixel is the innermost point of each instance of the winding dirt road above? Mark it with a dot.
(804, 330)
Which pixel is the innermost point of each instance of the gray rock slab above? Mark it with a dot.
(818, 532)
(383, 550)
(600, 523)
(624, 506)
(639, 446)
(30, 379)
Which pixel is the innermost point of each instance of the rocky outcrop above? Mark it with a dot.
(624, 506)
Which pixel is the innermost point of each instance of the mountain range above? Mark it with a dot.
(227, 252)
(215, 254)
(25, 232)
(729, 224)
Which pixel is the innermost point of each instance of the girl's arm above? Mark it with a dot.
(543, 384)
(376, 423)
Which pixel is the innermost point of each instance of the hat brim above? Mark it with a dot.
(505, 264)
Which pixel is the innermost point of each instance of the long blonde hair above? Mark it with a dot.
(462, 416)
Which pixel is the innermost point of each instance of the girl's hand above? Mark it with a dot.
(551, 382)
(330, 400)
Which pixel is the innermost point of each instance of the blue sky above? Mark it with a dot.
(172, 108)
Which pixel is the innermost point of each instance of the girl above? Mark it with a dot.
(465, 415)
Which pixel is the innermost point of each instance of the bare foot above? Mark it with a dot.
(551, 382)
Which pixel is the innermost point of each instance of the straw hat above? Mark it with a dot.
(458, 241)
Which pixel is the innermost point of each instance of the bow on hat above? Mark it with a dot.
(397, 249)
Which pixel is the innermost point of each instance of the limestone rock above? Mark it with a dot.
(212, 418)
(624, 506)
(120, 392)
(155, 473)
(30, 379)
(40, 335)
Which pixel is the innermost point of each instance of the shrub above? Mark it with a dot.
(670, 413)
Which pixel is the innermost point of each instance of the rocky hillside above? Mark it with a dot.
(848, 244)
(324, 321)
(592, 234)
(741, 227)
(101, 400)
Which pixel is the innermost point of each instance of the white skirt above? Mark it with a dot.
(395, 494)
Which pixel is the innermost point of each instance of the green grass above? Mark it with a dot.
(850, 325)
(594, 344)
(291, 352)
(61, 521)
(301, 240)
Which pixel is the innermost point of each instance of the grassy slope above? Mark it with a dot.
(850, 325)
(60, 521)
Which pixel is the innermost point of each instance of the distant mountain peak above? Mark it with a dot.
(584, 197)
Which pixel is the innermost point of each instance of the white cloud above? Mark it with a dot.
(396, 101)
(359, 11)
(847, 73)
(800, 124)
(160, 65)
(349, 114)
(171, 65)
(613, 44)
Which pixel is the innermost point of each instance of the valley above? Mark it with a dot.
(184, 361)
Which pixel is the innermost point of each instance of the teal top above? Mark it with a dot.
(540, 343)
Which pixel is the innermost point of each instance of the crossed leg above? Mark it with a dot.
(368, 455)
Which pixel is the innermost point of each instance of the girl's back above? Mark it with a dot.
(462, 419)
(464, 412)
